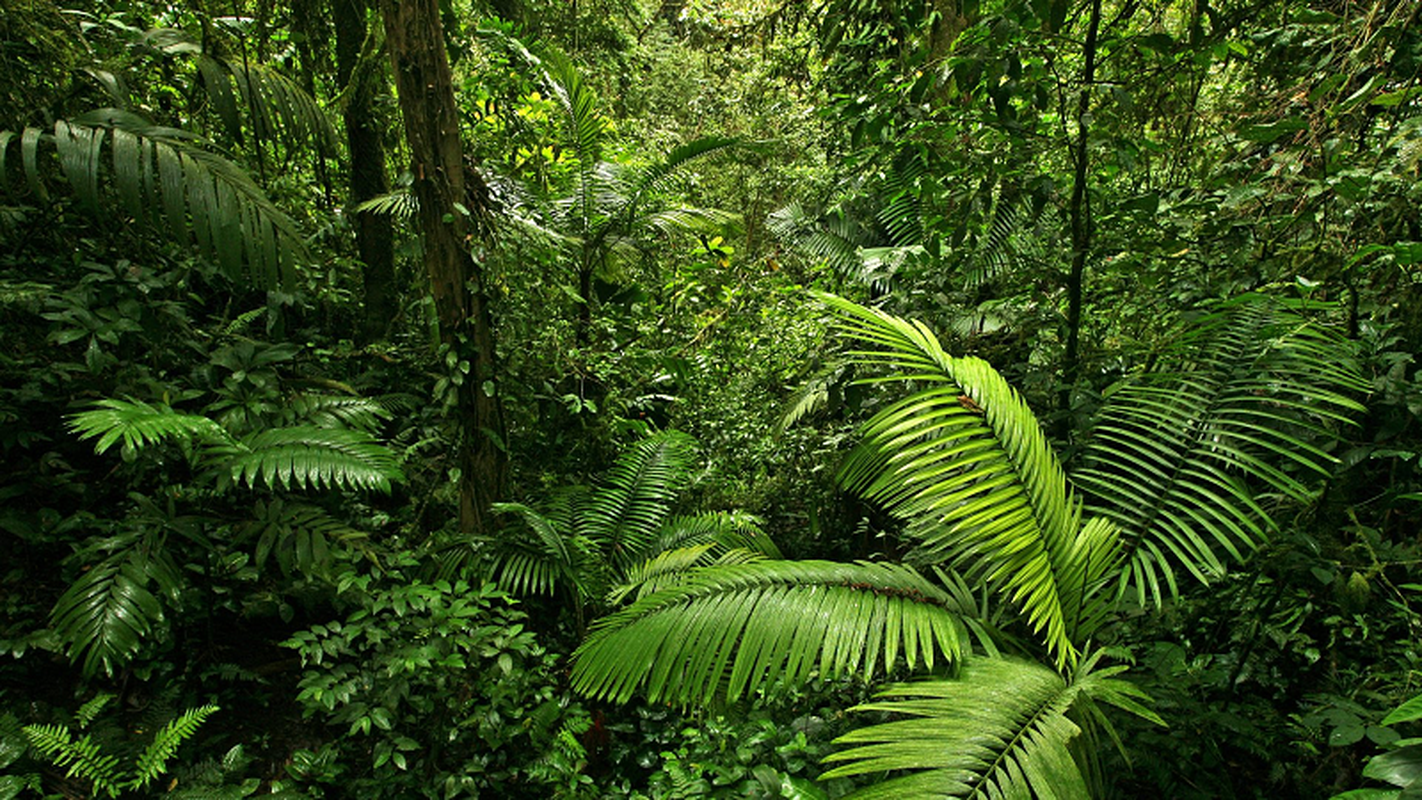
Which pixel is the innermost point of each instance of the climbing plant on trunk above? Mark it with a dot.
(453, 205)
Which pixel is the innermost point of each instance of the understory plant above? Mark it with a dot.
(1016, 573)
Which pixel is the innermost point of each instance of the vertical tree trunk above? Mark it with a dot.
(422, 76)
(1080, 211)
(373, 232)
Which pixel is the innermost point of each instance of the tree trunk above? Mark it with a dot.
(1080, 211)
(422, 76)
(373, 232)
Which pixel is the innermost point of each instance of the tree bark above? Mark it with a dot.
(1080, 212)
(442, 185)
(374, 233)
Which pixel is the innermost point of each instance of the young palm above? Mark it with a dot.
(963, 462)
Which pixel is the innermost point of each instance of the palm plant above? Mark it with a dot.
(599, 545)
(173, 181)
(118, 601)
(612, 210)
(963, 461)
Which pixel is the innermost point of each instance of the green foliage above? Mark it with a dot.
(1254, 391)
(86, 759)
(621, 536)
(159, 176)
(736, 628)
(312, 457)
(1000, 728)
(431, 689)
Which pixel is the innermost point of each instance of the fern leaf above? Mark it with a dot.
(79, 757)
(154, 760)
(739, 627)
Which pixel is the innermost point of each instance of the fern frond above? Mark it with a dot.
(964, 461)
(138, 425)
(735, 628)
(84, 717)
(1248, 396)
(79, 757)
(307, 456)
(160, 176)
(153, 762)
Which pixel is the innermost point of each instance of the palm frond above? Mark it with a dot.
(728, 530)
(400, 204)
(161, 177)
(338, 411)
(624, 515)
(735, 628)
(1002, 728)
(103, 618)
(540, 565)
(656, 177)
(306, 456)
(137, 425)
(301, 537)
(831, 238)
(1249, 396)
(964, 461)
(688, 542)
(276, 106)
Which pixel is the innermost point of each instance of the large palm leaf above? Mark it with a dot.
(1248, 397)
(163, 178)
(964, 461)
(305, 456)
(736, 628)
(1002, 728)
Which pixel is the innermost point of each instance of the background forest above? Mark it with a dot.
(613, 398)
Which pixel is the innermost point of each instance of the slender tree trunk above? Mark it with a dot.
(1080, 211)
(422, 76)
(373, 232)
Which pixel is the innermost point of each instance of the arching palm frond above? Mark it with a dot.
(300, 537)
(625, 513)
(964, 461)
(834, 238)
(1017, 237)
(160, 176)
(736, 628)
(310, 457)
(338, 411)
(305, 456)
(104, 616)
(138, 425)
(688, 542)
(543, 564)
(728, 530)
(1002, 728)
(1248, 396)
(276, 107)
